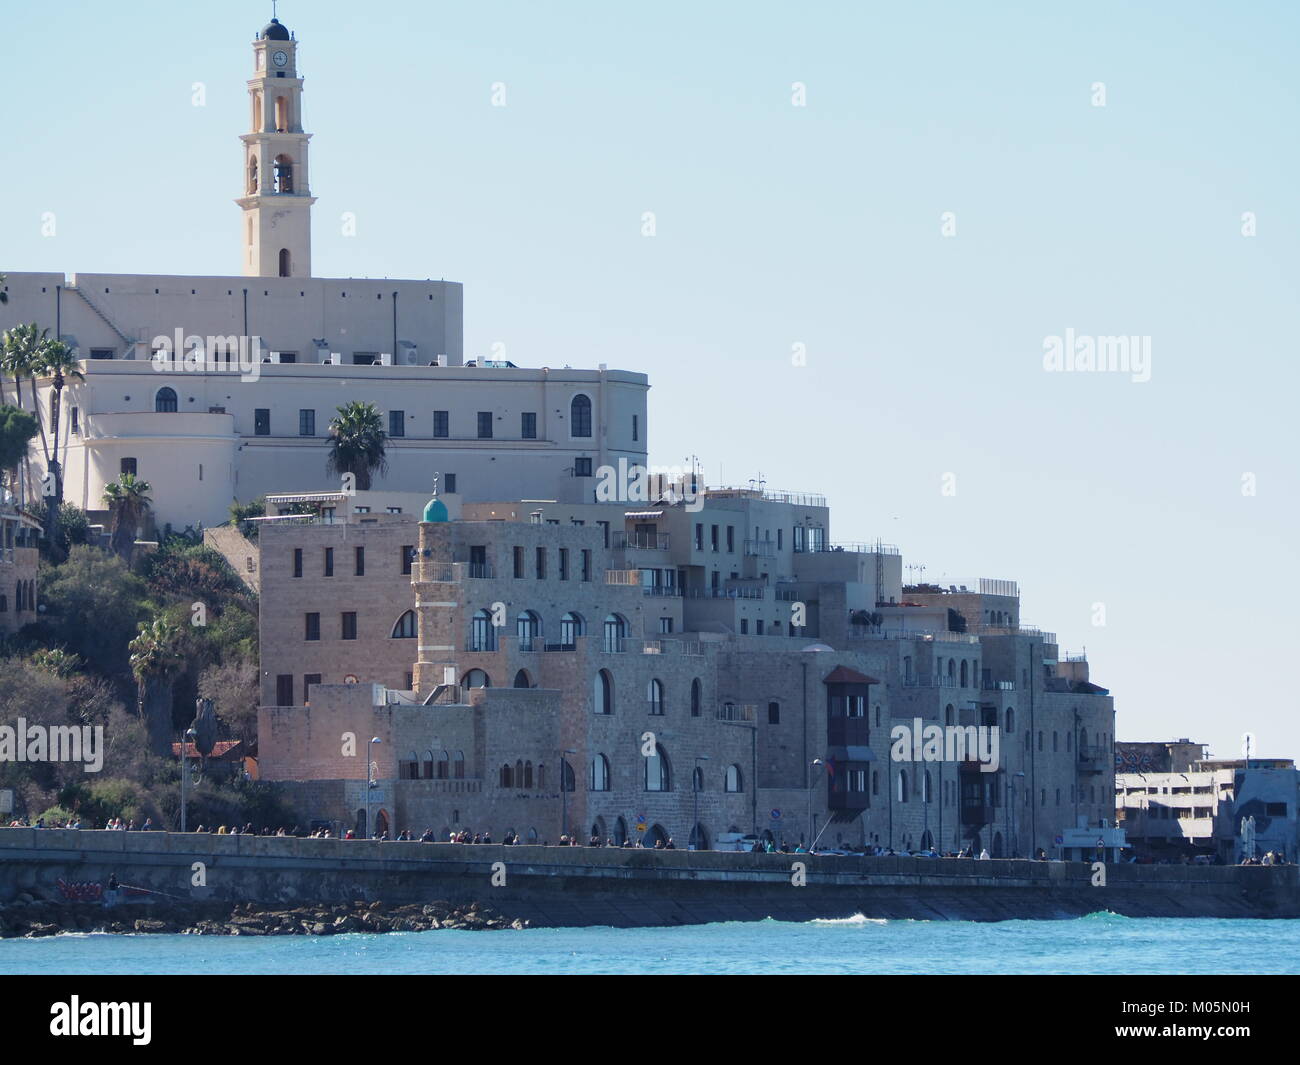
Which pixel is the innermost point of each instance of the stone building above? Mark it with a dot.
(19, 566)
(526, 644)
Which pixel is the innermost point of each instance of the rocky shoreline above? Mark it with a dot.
(34, 918)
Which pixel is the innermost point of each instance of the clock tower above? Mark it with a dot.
(277, 198)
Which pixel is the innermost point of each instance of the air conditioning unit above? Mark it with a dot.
(336, 359)
(408, 353)
(273, 358)
(385, 359)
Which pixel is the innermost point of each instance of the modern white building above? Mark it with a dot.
(203, 431)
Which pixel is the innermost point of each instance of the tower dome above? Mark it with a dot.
(435, 510)
(275, 32)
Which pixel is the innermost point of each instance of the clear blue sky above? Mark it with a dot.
(820, 225)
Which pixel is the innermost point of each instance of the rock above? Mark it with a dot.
(518, 924)
(321, 929)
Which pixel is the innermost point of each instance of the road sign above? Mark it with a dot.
(776, 815)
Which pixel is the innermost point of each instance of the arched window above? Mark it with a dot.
(697, 779)
(405, 627)
(948, 715)
(528, 627)
(252, 176)
(571, 627)
(458, 765)
(615, 633)
(528, 774)
(620, 832)
(519, 773)
(1011, 720)
(580, 416)
(507, 776)
(697, 697)
(428, 765)
(532, 835)
(476, 678)
(902, 785)
(925, 787)
(1083, 742)
(257, 115)
(963, 672)
(482, 633)
(655, 697)
(282, 114)
(604, 693)
(734, 781)
(598, 776)
(567, 780)
(658, 773)
(444, 765)
(522, 680)
(283, 174)
(286, 263)
(164, 401)
(951, 668)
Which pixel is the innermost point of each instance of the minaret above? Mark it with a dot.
(277, 196)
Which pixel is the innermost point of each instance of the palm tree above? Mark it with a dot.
(156, 659)
(356, 443)
(24, 349)
(128, 500)
(57, 361)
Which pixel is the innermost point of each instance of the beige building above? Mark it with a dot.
(214, 389)
(19, 563)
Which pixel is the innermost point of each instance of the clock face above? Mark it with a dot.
(281, 58)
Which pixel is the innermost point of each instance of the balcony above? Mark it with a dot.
(737, 712)
(660, 591)
(848, 800)
(760, 549)
(481, 571)
(623, 577)
(626, 541)
(1093, 759)
(848, 732)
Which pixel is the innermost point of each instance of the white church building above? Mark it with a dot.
(204, 436)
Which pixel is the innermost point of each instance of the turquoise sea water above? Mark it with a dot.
(1101, 943)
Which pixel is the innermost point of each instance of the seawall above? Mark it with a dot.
(560, 886)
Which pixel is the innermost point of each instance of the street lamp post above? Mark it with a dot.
(189, 733)
(370, 785)
(695, 816)
(564, 794)
(812, 784)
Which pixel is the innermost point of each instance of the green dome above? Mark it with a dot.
(435, 510)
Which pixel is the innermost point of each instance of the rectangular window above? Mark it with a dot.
(308, 682)
(76, 421)
(297, 561)
(564, 563)
(360, 561)
(665, 625)
(699, 537)
(284, 689)
(731, 539)
(397, 423)
(744, 626)
(329, 562)
(441, 424)
(713, 537)
(582, 467)
(349, 625)
(528, 425)
(774, 713)
(519, 562)
(128, 466)
(779, 537)
(306, 423)
(450, 483)
(485, 425)
(262, 422)
(759, 626)
(541, 563)
(408, 556)
(586, 565)
(313, 627)
(102, 353)
(636, 427)
(604, 528)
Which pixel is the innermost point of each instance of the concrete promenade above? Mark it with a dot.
(597, 886)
